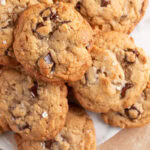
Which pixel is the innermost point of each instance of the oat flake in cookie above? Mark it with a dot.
(77, 134)
(134, 116)
(107, 15)
(118, 75)
(9, 12)
(35, 110)
(52, 42)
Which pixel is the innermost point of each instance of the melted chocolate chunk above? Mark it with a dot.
(104, 3)
(120, 114)
(33, 90)
(40, 24)
(78, 6)
(125, 88)
(48, 144)
(26, 126)
(127, 112)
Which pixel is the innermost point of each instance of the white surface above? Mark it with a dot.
(103, 132)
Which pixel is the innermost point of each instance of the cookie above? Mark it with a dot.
(118, 74)
(3, 124)
(108, 15)
(77, 134)
(33, 109)
(134, 116)
(52, 42)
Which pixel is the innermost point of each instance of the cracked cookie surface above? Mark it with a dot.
(33, 109)
(52, 42)
(118, 74)
(77, 134)
(107, 15)
(134, 116)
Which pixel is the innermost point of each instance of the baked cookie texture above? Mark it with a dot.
(10, 10)
(108, 15)
(77, 134)
(52, 42)
(134, 116)
(3, 125)
(119, 73)
(33, 109)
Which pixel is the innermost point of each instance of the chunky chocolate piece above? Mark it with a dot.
(125, 88)
(132, 112)
(40, 24)
(48, 144)
(78, 6)
(104, 3)
(26, 126)
(34, 90)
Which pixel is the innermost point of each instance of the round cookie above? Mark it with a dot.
(107, 15)
(136, 115)
(118, 74)
(33, 109)
(52, 42)
(77, 134)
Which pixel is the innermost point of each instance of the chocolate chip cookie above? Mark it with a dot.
(52, 42)
(136, 115)
(33, 109)
(77, 134)
(107, 15)
(119, 73)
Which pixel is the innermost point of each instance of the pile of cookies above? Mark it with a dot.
(58, 56)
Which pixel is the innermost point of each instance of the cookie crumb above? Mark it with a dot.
(3, 2)
(4, 42)
(44, 114)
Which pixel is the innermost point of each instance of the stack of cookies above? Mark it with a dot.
(58, 56)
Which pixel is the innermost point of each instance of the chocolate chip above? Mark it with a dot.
(136, 52)
(6, 52)
(132, 108)
(40, 24)
(120, 114)
(53, 16)
(48, 59)
(26, 126)
(33, 90)
(104, 3)
(89, 45)
(78, 6)
(125, 88)
(48, 144)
